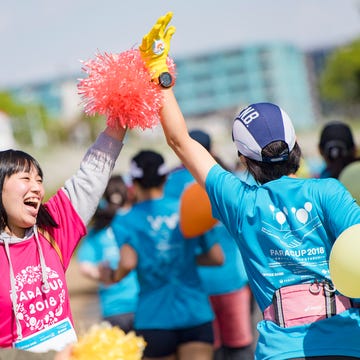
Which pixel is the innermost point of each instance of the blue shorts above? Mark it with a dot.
(162, 343)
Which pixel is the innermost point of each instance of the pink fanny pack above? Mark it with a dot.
(305, 303)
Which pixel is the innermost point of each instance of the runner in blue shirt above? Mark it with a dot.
(284, 228)
(230, 297)
(231, 300)
(117, 302)
(173, 314)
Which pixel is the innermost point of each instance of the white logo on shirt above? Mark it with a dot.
(158, 221)
(280, 229)
(34, 308)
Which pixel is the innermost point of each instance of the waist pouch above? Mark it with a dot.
(305, 303)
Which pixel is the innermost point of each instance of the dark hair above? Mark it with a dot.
(337, 147)
(149, 163)
(13, 162)
(115, 196)
(264, 171)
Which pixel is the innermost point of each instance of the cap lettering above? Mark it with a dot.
(248, 115)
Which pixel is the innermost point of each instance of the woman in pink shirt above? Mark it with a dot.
(38, 239)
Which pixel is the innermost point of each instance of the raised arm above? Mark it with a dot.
(195, 157)
(88, 184)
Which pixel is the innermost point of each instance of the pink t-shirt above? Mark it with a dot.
(39, 308)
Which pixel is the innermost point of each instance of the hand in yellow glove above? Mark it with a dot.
(155, 46)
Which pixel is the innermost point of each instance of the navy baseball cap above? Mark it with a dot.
(147, 163)
(260, 124)
(336, 140)
(201, 137)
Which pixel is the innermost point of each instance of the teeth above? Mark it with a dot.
(31, 202)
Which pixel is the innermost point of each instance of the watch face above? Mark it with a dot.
(165, 79)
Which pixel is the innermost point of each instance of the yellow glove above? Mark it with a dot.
(155, 46)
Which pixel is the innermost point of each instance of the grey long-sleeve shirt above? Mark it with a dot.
(86, 187)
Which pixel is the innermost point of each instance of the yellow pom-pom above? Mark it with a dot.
(106, 342)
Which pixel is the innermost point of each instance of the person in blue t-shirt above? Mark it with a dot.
(117, 302)
(284, 227)
(231, 300)
(173, 314)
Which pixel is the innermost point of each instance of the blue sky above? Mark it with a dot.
(41, 39)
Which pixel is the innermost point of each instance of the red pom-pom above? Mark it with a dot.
(119, 86)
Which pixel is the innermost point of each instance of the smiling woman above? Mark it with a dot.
(38, 239)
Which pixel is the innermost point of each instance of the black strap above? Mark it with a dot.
(330, 301)
(278, 309)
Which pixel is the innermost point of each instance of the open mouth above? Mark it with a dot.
(31, 203)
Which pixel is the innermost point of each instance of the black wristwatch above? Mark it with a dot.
(165, 80)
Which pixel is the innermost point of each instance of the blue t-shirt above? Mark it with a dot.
(230, 276)
(120, 298)
(285, 230)
(177, 181)
(232, 270)
(171, 295)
